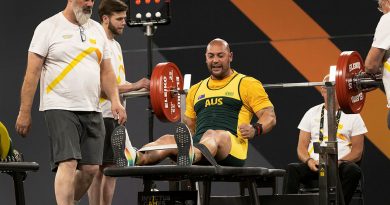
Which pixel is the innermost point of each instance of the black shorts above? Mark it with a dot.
(75, 135)
(108, 155)
(232, 161)
(228, 161)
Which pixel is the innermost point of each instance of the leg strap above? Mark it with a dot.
(207, 154)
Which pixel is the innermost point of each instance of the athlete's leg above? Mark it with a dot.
(155, 156)
(218, 143)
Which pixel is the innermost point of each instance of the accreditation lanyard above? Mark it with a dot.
(322, 122)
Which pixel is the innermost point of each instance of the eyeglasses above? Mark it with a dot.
(82, 34)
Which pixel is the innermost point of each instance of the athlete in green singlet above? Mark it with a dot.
(219, 110)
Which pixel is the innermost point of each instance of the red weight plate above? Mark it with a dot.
(166, 104)
(340, 83)
(350, 99)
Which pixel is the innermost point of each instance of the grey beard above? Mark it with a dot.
(81, 17)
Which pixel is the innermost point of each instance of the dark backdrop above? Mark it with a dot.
(349, 23)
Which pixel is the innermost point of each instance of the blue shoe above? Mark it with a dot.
(185, 150)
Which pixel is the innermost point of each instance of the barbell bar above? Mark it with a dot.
(145, 93)
(293, 85)
(375, 83)
(366, 81)
(135, 94)
(166, 86)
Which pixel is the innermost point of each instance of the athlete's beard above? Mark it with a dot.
(81, 17)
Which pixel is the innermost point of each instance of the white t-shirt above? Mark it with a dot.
(349, 125)
(119, 69)
(382, 40)
(70, 78)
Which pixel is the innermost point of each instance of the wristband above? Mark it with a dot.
(258, 128)
(308, 159)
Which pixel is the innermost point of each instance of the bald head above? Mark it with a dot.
(218, 58)
(218, 42)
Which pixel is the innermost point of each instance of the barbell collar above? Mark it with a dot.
(368, 81)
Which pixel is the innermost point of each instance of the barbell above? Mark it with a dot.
(351, 84)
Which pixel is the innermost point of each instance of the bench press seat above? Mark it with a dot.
(194, 173)
(18, 171)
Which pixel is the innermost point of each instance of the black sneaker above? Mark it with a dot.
(185, 151)
(118, 141)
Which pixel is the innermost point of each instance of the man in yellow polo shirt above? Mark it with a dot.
(219, 110)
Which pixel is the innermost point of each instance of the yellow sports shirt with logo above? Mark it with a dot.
(225, 104)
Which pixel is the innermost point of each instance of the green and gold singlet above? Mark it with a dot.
(218, 109)
(224, 105)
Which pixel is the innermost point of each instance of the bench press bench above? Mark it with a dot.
(250, 176)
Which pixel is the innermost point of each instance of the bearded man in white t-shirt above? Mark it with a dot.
(378, 58)
(70, 54)
(350, 141)
(112, 14)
